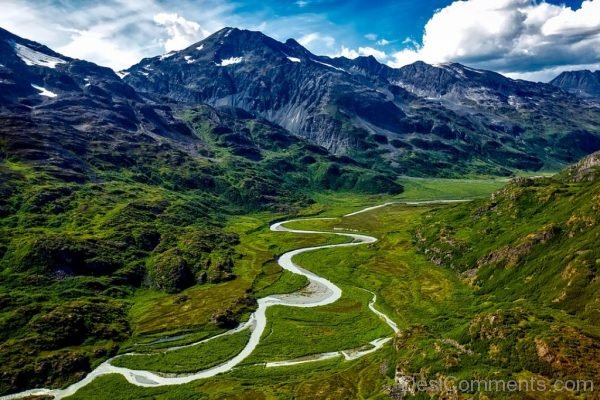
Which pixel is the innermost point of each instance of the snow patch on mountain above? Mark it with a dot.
(328, 65)
(200, 47)
(472, 70)
(189, 59)
(169, 54)
(294, 59)
(44, 91)
(230, 61)
(32, 57)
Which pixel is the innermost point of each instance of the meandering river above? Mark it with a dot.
(319, 292)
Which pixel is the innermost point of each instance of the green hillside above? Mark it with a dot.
(531, 255)
(149, 215)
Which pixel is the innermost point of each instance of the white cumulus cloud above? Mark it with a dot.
(94, 44)
(511, 36)
(361, 51)
(181, 31)
(115, 33)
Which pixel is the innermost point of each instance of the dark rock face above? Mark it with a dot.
(64, 116)
(368, 110)
(282, 82)
(584, 83)
(68, 116)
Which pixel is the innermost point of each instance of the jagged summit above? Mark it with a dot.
(291, 42)
(584, 82)
(226, 47)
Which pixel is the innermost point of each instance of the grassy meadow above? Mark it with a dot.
(410, 290)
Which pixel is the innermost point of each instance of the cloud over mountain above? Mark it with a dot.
(531, 39)
(515, 36)
(181, 32)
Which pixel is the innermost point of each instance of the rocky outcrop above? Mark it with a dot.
(170, 272)
(584, 83)
(587, 169)
(509, 256)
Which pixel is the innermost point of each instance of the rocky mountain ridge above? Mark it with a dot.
(417, 120)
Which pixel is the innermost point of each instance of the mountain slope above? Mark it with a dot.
(66, 116)
(281, 82)
(417, 120)
(530, 251)
(584, 83)
(542, 228)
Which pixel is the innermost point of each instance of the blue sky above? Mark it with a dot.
(530, 39)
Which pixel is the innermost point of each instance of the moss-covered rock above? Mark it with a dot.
(170, 272)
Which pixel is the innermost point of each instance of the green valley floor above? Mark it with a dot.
(446, 327)
(410, 290)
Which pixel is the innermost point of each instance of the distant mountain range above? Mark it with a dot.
(419, 120)
(422, 120)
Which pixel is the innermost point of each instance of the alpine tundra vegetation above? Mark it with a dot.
(241, 218)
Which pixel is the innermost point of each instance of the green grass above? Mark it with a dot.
(332, 379)
(188, 359)
(442, 321)
(296, 332)
(256, 269)
(415, 189)
(390, 267)
(154, 312)
(160, 341)
(112, 213)
(275, 280)
(444, 189)
(343, 325)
